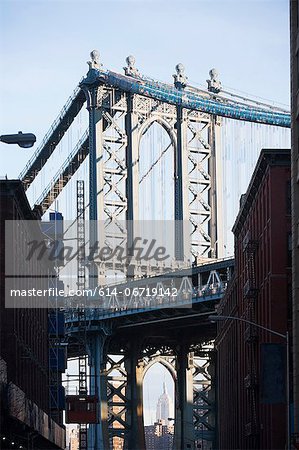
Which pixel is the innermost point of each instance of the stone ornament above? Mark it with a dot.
(95, 60)
(214, 84)
(130, 69)
(180, 78)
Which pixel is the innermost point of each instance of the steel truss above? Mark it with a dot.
(193, 374)
(118, 121)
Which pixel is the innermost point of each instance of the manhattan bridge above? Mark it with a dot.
(130, 153)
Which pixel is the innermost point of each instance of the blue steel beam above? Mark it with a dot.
(188, 99)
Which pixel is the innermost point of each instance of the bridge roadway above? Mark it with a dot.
(158, 319)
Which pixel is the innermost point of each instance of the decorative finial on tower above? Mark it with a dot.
(131, 70)
(214, 84)
(95, 60)
(180, 79)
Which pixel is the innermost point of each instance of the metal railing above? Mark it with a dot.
(63, 113)
(187, 298)
(64, 166)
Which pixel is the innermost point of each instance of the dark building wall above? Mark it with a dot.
(25, 415)
(24, 332)
(227, 363)
(259, 292)
(294, 22)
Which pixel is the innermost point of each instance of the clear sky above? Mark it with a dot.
(45, 44)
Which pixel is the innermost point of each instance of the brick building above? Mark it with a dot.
(252, 362)
(159, 436)
(25, 411)
(294, 22)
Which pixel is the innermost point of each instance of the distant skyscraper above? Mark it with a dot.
(164, 407)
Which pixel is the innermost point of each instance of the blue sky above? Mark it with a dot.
(45, 44)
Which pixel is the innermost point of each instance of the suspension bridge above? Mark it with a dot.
(160, 153)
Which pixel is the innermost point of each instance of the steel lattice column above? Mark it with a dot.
(184, 429)
(135, 440)
(204, 397)
(98, 434)
(96, 174)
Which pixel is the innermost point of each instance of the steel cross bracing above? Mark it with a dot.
(204, 398)
(192, 370)
(118, 112)
(124, 369)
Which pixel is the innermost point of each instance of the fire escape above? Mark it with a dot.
(250, 293)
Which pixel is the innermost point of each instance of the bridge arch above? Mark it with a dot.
(156, 167)
(164, 363)
(159, 386)
(168, 127)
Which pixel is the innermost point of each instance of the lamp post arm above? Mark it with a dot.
(219, 318)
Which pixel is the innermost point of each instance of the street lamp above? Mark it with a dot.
(24, 140)
(284, 336)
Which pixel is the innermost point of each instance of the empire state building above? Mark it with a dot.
(164, 407)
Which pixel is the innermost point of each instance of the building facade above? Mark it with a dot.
(159, 436)
(25, 410)
(294, 21)
(252, 398)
